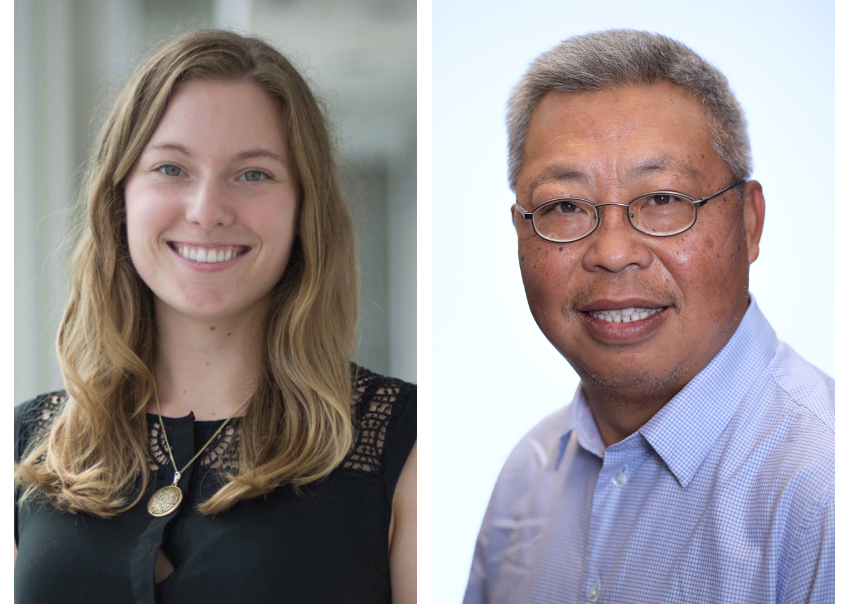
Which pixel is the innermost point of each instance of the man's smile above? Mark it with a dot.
(622, 321)
(625, 315)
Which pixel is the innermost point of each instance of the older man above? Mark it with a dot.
(696, 461)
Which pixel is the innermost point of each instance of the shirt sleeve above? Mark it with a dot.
(811, 578)
(476, 584)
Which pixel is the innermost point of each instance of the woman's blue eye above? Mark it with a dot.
(170, 170)
(254, 176)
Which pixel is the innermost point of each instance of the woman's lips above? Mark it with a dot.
(208, 254)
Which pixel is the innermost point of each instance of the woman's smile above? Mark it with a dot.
(208, 257)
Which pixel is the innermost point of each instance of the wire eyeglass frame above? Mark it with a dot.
(696, 205)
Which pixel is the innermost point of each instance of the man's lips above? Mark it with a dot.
(620, 304)
(627, 310)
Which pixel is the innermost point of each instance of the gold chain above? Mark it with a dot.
(177, 472)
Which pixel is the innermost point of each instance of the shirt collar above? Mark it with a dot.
(578, 418)
(686, 428)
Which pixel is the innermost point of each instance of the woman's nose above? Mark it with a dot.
(210, 206)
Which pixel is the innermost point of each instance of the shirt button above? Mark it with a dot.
(593, 593)
(619, 479)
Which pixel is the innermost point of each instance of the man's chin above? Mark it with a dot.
(632, 389)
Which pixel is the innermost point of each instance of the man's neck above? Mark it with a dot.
(620, 410)
(620, 413)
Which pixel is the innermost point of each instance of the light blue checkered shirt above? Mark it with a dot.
(725, 495)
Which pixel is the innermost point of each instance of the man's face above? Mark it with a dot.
(610, 147)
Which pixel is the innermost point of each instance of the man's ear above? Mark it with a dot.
(753, 217)
(515, 215)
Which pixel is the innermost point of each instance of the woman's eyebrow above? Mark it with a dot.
(253, 153)
(168, 146)
(248, 154)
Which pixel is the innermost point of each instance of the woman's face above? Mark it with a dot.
(211, 203)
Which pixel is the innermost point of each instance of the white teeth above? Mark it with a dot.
(626, 315)
(208, 256)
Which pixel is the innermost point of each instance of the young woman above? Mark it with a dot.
(214, 443)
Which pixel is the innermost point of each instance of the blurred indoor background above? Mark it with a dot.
(72, 58)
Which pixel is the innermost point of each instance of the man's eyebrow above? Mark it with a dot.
(243, 155)
(648, 166)
(559, 173)
(645, 166)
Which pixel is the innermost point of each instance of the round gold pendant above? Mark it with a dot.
(164, 501)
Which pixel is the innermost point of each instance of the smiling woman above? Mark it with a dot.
(211, 204)
(214, 440)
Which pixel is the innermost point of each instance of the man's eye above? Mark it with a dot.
(662, 200)
(565, 207)
(254, 175)
(170, 170)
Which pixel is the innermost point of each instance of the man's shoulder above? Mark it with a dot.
(539, 447)
(806, 389)
(782, 438)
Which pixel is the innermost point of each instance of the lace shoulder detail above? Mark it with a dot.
(377, 402)
(220, 455)
(34, 419)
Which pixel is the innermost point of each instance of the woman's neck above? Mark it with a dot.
(206, 367)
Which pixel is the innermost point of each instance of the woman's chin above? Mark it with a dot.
(209, 308)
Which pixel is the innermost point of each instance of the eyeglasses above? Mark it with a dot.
(660, 213)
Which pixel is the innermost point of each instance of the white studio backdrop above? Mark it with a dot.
(495, 374)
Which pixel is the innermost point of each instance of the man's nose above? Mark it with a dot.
(210, 206)
(616, 244)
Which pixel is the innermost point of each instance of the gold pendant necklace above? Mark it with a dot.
(167, 499)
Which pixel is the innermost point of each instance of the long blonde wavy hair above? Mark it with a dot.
(298, 427)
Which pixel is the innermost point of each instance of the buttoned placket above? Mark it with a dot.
(619, 464)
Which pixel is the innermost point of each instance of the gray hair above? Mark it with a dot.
(623, 57)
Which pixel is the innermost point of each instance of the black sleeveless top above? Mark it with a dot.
(327, 543)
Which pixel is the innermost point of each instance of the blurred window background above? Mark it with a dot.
(73, 56)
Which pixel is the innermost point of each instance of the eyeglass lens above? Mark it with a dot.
(656, 214)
